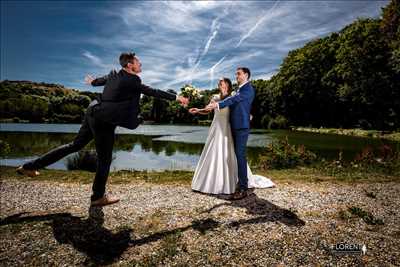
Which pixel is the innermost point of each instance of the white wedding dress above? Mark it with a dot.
(217, 171)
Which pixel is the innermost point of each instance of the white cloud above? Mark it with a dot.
(164, 16)
(196, 41)
(96, 61)
(264, 76)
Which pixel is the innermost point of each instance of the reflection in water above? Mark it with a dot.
(138, 159)
(131, 152)
(171, 147)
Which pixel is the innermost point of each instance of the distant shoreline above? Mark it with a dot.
(388, 135)
(394, 136)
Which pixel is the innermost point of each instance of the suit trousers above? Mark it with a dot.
(103, 134)
(240, 137)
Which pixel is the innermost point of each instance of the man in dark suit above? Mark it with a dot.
(117, 106)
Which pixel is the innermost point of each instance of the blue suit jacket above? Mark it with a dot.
(240, 105)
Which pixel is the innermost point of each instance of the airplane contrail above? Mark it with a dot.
(212, 71)
(247, 35)
(250, 32)
(213, 33)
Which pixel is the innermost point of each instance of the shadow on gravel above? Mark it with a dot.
(100, 244)
(104, 246)
(267, 211)
(89, 236)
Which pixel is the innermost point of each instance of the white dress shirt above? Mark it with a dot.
(240, 86)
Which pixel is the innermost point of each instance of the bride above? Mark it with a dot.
(217, 170)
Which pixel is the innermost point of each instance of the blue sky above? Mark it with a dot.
(178, 42)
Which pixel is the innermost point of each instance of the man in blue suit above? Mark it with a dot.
(240, 105)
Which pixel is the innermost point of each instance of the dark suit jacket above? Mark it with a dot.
(240, 106)
(119, 102)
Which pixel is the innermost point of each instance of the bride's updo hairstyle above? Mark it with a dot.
(228, 84)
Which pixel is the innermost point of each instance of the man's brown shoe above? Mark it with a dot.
(30, 173)
(106, 200)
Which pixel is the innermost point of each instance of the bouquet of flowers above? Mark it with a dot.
(190, 92)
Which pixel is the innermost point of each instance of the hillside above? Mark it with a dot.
(42, 102)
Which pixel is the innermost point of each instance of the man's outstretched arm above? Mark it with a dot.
(100, 81)
(238, 97)
(147, 90)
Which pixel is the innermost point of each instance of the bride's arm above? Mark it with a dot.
(199, 111)
(203, 111)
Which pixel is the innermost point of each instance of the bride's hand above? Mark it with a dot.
(193, 110)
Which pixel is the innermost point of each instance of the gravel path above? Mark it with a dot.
(293, 224)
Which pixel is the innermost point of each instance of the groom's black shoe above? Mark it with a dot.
(239, 195)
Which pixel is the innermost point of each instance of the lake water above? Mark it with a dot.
(166, 147)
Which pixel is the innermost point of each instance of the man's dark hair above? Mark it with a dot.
(245, 70)
(126, 58)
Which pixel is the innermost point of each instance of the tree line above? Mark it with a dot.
(348, 79)
(42, 102)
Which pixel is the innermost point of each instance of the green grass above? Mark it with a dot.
(301, 174)
(357, 212)
(49, 175)
(119, 177)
